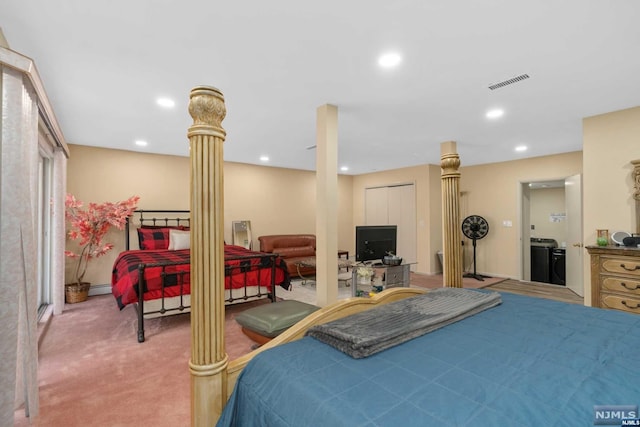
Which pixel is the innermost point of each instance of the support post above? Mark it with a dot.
(208, 364)
(452, 235)
(327, 205)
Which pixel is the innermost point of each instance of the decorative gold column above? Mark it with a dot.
(636, 192)
(208, 358)
(452, 236)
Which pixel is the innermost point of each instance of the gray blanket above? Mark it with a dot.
(369, 332)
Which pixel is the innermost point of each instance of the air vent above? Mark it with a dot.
(509, 81)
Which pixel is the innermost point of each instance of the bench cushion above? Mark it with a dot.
(270, 320)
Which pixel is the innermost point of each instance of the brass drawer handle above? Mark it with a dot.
(629, 306)
(636, 267)
(629, 287)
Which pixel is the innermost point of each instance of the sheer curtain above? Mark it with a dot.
(17, 222)
(23, 109)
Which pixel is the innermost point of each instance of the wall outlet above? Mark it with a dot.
(507, 223)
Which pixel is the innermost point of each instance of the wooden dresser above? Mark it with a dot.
(615, 277)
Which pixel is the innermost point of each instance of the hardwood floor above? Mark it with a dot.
(541, 290)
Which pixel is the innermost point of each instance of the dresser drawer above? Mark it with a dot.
(621, 265)
(621, 285)
(631, 305)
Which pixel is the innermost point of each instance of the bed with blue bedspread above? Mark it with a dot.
(525, 362)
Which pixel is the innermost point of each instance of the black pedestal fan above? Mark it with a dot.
(475, 228)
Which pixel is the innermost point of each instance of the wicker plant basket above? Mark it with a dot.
(76, 292)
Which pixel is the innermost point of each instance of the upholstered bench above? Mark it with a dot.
(267, 321)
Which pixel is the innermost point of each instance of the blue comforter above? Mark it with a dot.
(527, 362)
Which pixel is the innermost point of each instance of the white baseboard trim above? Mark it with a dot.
(104, 289)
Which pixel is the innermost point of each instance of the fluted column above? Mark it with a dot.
(208, 358)
(452, 236)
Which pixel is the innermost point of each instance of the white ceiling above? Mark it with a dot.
(105, 63)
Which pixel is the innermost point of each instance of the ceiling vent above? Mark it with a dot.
(509, 81)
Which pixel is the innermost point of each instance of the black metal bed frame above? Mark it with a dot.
(172, 279)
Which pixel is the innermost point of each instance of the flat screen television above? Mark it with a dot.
(373, 242)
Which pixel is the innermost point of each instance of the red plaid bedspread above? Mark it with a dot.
(242, 266)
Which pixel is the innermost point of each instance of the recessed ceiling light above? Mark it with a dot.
(521, 148)
(344, 168)
(264, 158)
(494, 114)
(141, 143)
(166, 102)
(389, 60)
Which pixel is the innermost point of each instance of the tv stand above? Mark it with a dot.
(386, 276)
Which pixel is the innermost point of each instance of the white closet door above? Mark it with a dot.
(395, 205)
(402, 212)
(376, 206)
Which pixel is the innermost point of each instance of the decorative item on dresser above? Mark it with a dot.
(602, 238)
(636, 191)
(618, 237)
(615, 278)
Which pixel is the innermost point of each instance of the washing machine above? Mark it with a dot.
(558, 266)
(541, 249)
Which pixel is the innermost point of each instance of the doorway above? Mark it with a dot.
(551, 214)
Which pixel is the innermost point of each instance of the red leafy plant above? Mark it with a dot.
(89, 225)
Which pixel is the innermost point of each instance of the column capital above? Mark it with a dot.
(450, 163)
(207, 108)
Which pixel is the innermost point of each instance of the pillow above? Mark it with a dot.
(150, 238)
(179, 239)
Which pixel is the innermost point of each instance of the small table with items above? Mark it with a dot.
(343, 264)
(375, 277)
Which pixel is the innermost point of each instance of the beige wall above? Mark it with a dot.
(426, 179)
(610, 142)
(490, 190)
(275, 200)
(544, 203)
(493, 192)
(278, 200)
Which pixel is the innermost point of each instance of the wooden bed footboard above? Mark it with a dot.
(329, 313)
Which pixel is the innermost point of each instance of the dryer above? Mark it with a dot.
(558, 266)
